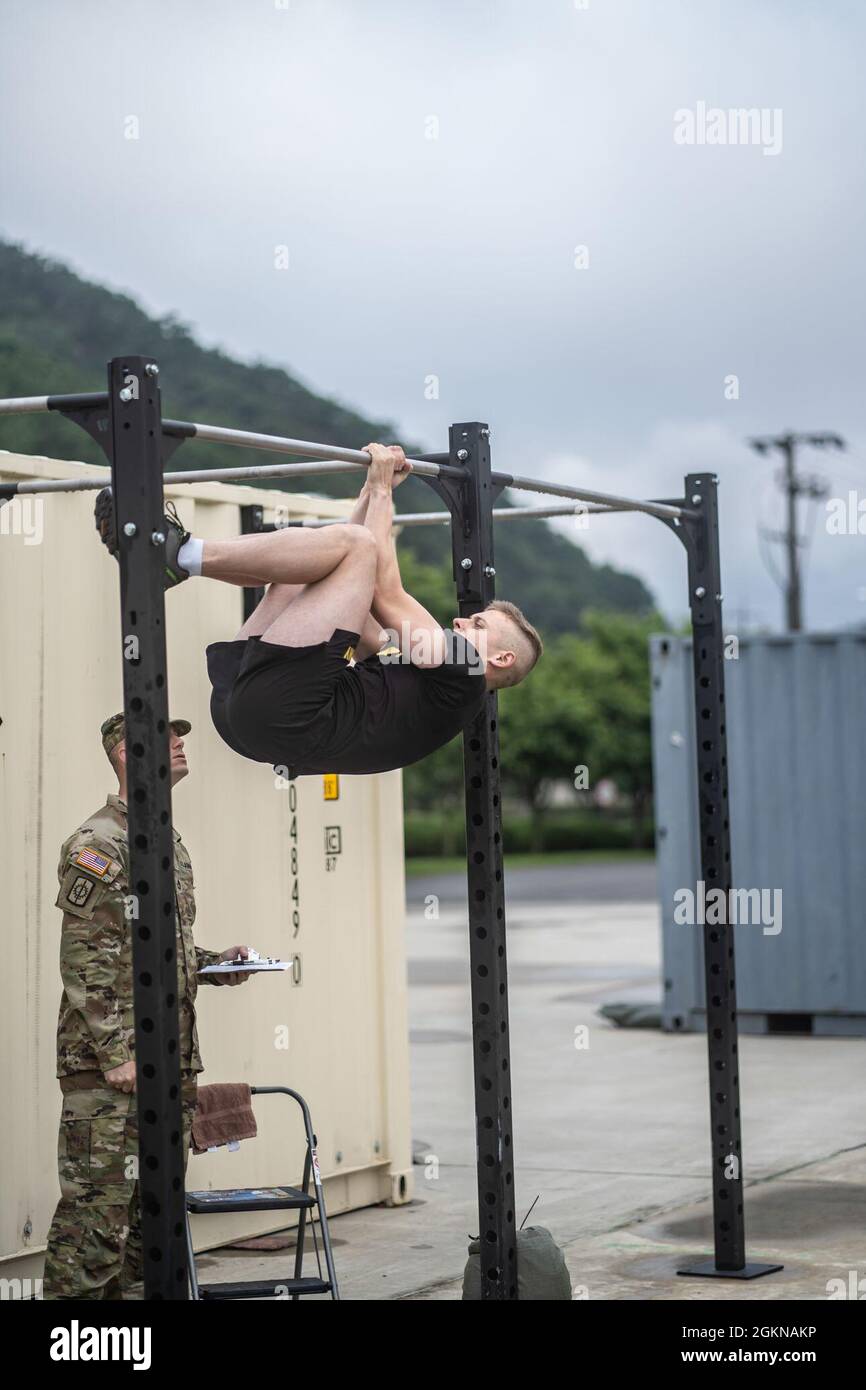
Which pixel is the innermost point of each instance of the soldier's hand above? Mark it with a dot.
(233, 978)
(122, 1077)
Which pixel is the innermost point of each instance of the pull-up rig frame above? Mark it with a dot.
(126, 421)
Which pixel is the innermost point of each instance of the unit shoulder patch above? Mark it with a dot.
(80, 890)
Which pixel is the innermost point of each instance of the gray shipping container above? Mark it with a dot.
(797, 792)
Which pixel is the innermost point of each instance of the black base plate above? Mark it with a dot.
(706, 1269)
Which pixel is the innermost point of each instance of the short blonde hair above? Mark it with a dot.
(529, 644)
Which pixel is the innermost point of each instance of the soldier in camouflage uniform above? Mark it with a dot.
(94, 1244)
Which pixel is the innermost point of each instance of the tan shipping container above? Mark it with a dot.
(335, 1028)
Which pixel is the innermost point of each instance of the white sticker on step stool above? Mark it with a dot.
(315, 1157)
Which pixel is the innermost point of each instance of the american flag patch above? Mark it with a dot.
(96, 863)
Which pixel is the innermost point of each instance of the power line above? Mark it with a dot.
(795, 485)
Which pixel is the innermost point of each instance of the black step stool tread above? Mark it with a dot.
(262, 1288)
(249, 1199)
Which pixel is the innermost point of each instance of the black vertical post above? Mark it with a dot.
(701, 537)
(252, 522)
(136, 474)
(472, 541)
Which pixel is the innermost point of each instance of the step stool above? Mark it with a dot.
(298, 1199)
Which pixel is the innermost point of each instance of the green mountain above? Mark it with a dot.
(57, 331)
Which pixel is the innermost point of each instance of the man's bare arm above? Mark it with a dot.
(407, 621)
(359, 511)
(372, 637)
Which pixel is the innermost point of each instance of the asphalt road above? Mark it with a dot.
(630, 881)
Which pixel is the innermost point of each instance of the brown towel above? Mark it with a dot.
(224, 1114)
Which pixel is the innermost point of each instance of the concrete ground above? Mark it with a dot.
(610, 1136)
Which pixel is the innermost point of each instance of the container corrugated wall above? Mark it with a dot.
(340, 1036)
(797, 788)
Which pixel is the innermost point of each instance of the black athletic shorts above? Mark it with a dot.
(273, 703)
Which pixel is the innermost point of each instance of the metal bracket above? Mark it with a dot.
(708, 1269)
(94, 420)
(470, 502)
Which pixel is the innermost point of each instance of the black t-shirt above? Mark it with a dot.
(387, 713)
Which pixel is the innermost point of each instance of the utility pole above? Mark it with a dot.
(795, 485)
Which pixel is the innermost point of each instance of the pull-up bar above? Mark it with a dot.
(498, 513)
(35, 405)
(608, 501)
(334, 456)
(203, 475)
(333, 459)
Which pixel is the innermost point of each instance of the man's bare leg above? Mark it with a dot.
(325, 577)
(332, 570)
(299, 614)
(279, 596)
(276, 599)
(343, 598)
(287, 556)
(241, 575)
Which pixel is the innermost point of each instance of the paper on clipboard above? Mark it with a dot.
(245, 965)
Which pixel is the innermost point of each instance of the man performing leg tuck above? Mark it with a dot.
(306, 684)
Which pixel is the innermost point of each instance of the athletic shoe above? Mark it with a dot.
(175, 535)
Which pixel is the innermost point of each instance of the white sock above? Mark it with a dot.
(190, 555)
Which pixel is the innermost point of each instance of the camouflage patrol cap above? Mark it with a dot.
(113, 731)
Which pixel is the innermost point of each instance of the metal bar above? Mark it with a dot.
(708, 639)
(499, 514)
(190, 1256)
(596, 501)
(332, 456)
(217, 434)
(608, 499)
(287, 470)
(302, 1220)
(705, 598)
(244, 439)
(503, 514)
(138, 496)
(34, 405)
(40, 485)
(435, 458)
(24, 405)
(254, 472)
(472, 542)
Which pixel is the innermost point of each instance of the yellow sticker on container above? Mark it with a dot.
(331, 785)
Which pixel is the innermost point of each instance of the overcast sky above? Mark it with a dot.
(431, 169)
